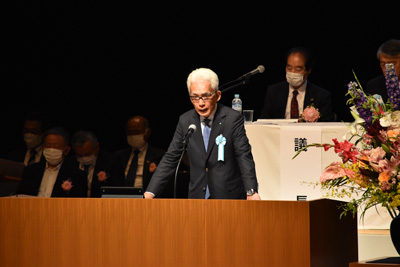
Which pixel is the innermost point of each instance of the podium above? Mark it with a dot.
(174, 232)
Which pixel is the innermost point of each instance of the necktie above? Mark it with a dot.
(206, 133)
(32, 157)
(89, 184)
(206, 137)
(130, 177)
(86, 170)
(294, 106)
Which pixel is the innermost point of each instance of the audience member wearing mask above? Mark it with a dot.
(140, 160)
(32, 152)
(98, 164)
(278, 102)
(59, 175)
(388, 52)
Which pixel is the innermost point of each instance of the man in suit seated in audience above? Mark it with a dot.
(297, 91)
(140, 160)
(59, 175)
(98, 164)
(388, 52)
(32, 152)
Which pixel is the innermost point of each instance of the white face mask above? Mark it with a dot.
(88, 160)
(53, 156)
(32, 140)
(294, 79)
(136, 141)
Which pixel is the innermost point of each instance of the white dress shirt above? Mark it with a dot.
(48, 180)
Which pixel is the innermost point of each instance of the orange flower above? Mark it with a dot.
(152, 167)
(384, 176)
(393, 134)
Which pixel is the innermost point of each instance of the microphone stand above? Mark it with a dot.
(177, 167)
(235, 83)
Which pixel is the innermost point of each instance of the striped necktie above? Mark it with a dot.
(294, 106)
(206, 138)
(206, 133)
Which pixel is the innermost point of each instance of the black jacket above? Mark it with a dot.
(277, 96)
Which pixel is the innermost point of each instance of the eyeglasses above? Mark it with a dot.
(196, 98)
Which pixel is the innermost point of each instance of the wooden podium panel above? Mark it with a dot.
(101, 232)
(279, 233)
(172, 232)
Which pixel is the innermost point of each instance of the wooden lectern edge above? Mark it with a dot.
(367, 263)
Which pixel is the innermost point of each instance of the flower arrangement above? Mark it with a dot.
(310, 114)
(369, 171)
(67, 185)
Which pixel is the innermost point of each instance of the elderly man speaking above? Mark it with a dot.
(221, 162)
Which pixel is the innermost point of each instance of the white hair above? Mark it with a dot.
(203, 74)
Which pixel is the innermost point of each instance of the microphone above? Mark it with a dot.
(244, 79)
(259, 69)
(191, 129)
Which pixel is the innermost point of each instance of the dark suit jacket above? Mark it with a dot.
(33, 174)
(115, 174)
(226, 179)
(277, 95)
(153, 154)
(377, 86)
(19, 155)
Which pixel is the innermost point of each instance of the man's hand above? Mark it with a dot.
(255, 196)
(148, 195)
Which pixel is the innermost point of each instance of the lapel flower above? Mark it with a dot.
(67, 185)
(152, 167)
(310, 114)
(102, 176)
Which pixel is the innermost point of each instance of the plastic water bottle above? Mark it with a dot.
(237, 103)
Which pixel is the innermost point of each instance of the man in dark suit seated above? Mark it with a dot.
(221, 163)
(32, 152)
(59, 175)
(98, 164)
(388, 52)
(140, 160)
(297, 91)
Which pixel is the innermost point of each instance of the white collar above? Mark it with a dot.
(301, 89)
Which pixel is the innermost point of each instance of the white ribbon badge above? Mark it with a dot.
(221, 142)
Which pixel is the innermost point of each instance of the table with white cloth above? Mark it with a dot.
(282, 178)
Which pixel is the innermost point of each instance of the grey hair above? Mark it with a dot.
(203, 74)
(82, 137)
(390, 48)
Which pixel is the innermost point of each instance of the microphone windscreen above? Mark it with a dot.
(192, 126)
(261, 68)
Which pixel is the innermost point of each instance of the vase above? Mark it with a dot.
(395, 232)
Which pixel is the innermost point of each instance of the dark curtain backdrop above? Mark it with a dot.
(90, 65)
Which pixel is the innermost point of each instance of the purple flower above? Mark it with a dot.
(360, 101)
(392, 86)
